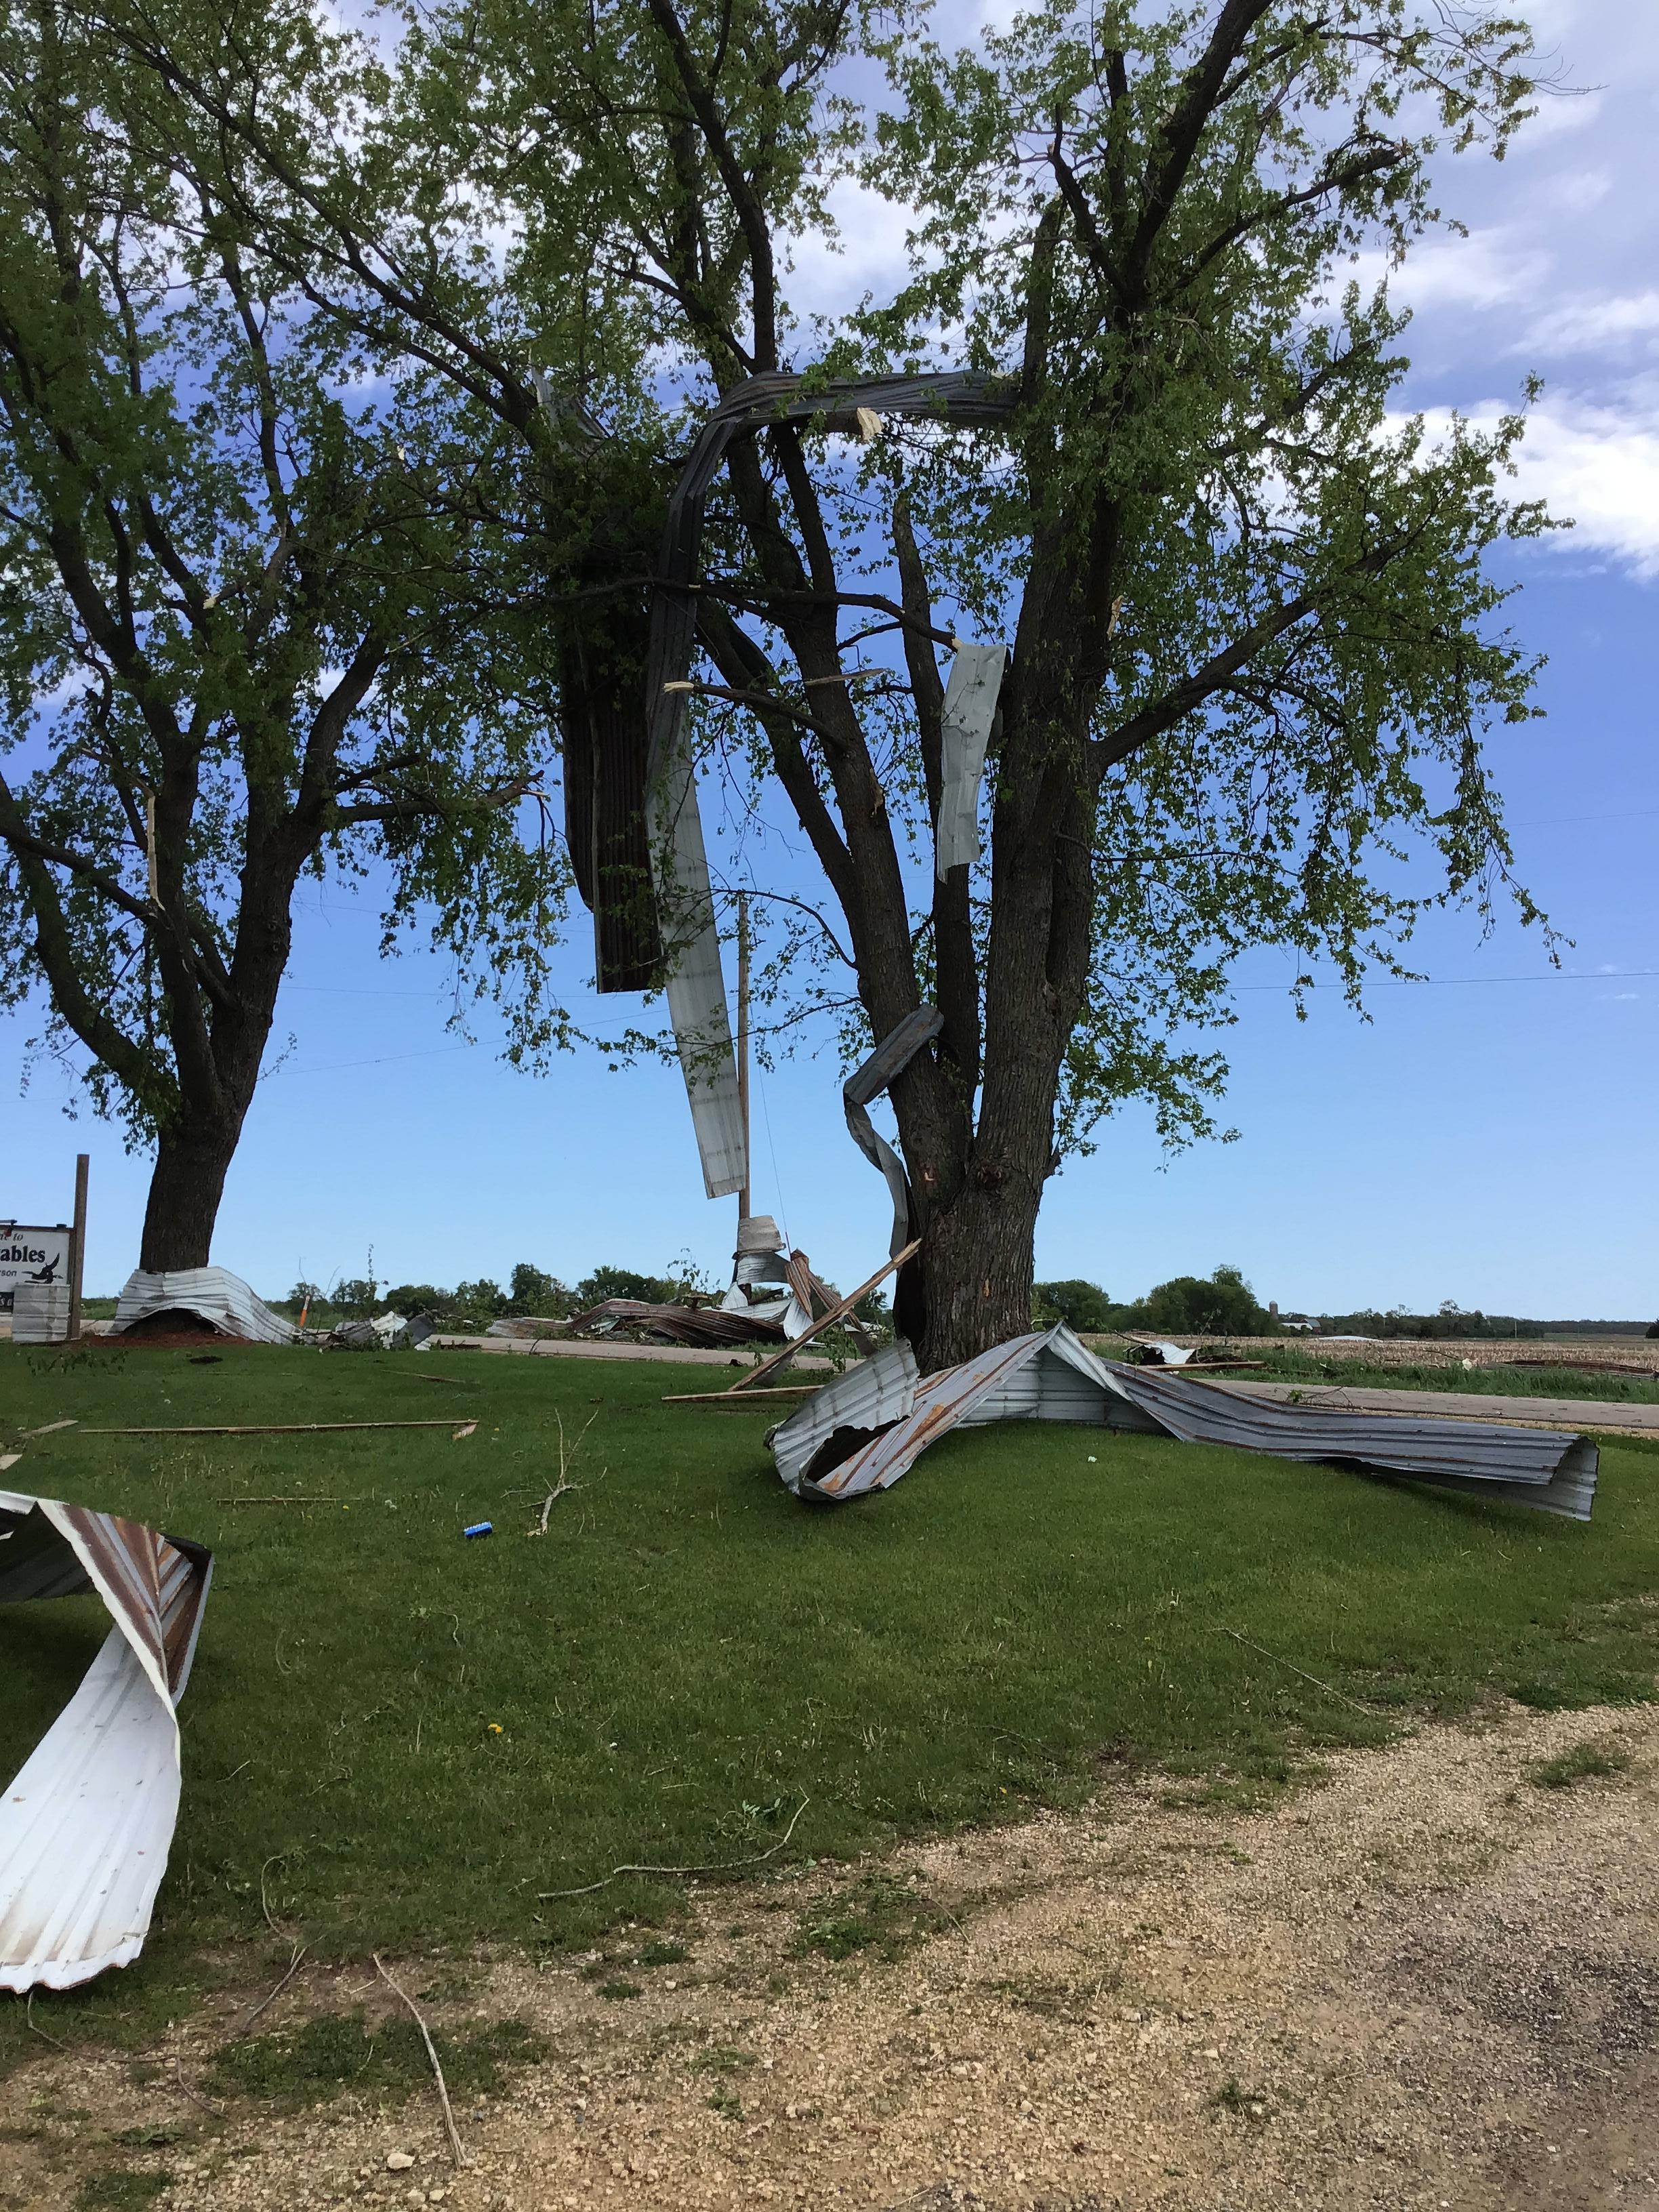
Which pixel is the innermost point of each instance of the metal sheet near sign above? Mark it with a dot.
(30, 1253)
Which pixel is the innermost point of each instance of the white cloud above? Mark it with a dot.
(1491, 268)
(1594, 461)
(868, 253)
(1587, 325)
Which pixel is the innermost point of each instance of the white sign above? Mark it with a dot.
(31, 1255)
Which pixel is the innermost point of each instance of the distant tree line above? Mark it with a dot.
(531, 1293)
(1221, 1304)
(1452, 1321)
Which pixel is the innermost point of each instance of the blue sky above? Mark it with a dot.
(1482, 1139)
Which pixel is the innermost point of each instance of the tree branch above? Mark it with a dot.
(745, 203)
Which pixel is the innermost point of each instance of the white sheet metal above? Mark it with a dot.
(883, 1066)
(761, 1258)
(39, 1313)
(696, 981)
(696, 991)
(970, 708)
(213, 1294)
(85, 1828)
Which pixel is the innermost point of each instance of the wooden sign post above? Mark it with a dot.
(78, 1245)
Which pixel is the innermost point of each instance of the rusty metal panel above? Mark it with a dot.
(86, 1825)
(862, 1401)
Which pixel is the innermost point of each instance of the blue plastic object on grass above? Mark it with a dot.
(480, 1529)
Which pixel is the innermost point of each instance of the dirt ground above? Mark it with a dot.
(1427, 1981)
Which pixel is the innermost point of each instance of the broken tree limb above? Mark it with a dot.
(271, 1995)
(730, 1866)
(824, 1321)
(1341, 1695)
(277, 1501)
(459, 2155)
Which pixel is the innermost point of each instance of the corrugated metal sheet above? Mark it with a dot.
(885, 1066)
(1547, 1468)
(213, 1294)
(970, 708)
(1051, 1376)
(696, 984)
(86, 1825)
(39, 1313)
(860, 1402)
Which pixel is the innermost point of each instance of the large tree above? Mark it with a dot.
(1255, 645)
(258, 606)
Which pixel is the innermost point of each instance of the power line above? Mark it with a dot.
(1422, 982)
(334, 1067)
(365, 991)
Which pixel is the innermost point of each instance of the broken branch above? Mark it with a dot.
(731, 1866)
(459, 2155)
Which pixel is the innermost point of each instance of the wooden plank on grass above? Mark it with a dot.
(279, 1428)
(724, 1397)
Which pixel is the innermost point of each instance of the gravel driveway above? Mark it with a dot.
(1426, 1982)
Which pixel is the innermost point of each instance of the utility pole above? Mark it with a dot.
(743, 1048)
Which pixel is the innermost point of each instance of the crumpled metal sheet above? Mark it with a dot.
(1051, 1376)
(762, 1257)
(86, 1825)
(885, 1064)
(1551, 1469)
(969, 714)
(213, 1294)
(696, 985)
(852, 1411)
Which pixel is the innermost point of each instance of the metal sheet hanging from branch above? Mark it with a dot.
(970, 710)
(696, 988)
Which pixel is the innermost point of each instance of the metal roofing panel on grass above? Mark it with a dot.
(224, 1301)
(1052, 1376)
(86, 1824)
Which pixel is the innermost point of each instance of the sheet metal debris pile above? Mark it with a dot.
(761, 1259)
(869, 1426)
(673, 1324)
(85, 1828)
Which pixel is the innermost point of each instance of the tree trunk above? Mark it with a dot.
(192, 1161)
(975, 1271)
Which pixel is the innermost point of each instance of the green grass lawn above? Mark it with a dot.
(689, 1653)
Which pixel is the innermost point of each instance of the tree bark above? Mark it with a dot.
(188, 1182)
(975, 1269)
